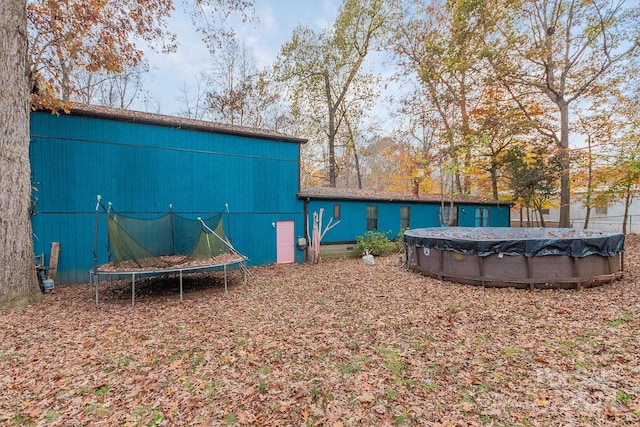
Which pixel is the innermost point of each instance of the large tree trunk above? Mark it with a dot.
(332, 159)
(540, 215)
(494, 179)
(465, 187)
(627, 203)
(565, 192)
(331, 110)
(587, 218)
(358, 172)
(18, 282)
(356, 160)
(589, 184)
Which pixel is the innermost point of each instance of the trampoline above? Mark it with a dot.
(170, 244)
(181, 271)
(543, 258)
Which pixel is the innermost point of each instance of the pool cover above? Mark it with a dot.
(530, 242)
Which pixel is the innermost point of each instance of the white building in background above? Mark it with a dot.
(607, 218)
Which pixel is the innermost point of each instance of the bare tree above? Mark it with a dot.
(118, 90)
(193, 106)
(238, 93)
(320, 69)
(562, 49)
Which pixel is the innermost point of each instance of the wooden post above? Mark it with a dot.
(53, 260)
(576, 273)
(530, 273)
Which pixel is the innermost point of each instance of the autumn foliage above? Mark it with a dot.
(67, 37)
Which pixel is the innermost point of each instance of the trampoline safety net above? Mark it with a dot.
(166, 241)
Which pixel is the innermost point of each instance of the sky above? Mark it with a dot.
(172, 73)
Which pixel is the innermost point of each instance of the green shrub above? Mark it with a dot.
(377, 243)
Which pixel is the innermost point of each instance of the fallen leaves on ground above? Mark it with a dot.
(340, 343)
(170, 262)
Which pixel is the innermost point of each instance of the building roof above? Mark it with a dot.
(109, 113)
(330, 193)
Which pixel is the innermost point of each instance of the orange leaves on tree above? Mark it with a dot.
(67, 37)
(409, 167)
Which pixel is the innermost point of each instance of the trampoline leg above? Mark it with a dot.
(95, 283)
(225, 278)
(180, 285)
(133, 290)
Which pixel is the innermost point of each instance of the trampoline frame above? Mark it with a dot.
(95, 275)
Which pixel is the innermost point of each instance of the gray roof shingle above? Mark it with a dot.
(179, 122)
(382, 196)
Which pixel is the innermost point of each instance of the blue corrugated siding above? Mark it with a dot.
(142, 169)
(353, 217)
(499, 216)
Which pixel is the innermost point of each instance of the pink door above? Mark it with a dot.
(285, 252)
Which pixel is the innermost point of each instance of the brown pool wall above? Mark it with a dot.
(513, 270)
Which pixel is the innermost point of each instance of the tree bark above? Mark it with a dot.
(331, 111)
(494, 179)
(352, 145)
(627, 203)
(565, 189)
(466, 135)
(541, 216)
(587, 217)
(18, 281)
(357, 162)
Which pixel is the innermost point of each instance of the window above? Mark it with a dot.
(601, 210)
(372, 218)
(336, 211)
(448, 216)
(545, 211)
(405, 217)
(482, 217)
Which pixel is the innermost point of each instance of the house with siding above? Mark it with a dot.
(145, 165)
(609, 217)
(360, 211)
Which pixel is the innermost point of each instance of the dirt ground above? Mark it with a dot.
(341, 343)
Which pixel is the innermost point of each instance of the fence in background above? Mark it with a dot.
(609, 223)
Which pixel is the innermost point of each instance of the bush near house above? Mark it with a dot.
(377, 243)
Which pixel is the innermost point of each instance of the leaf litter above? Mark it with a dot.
(340, 343)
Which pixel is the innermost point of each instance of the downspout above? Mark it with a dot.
(306, 228)
(94, 277)
(95, 237)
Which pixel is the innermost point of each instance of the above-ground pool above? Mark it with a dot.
(517, 257)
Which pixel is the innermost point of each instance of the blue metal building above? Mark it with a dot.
(360, 211)
(144, 163)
